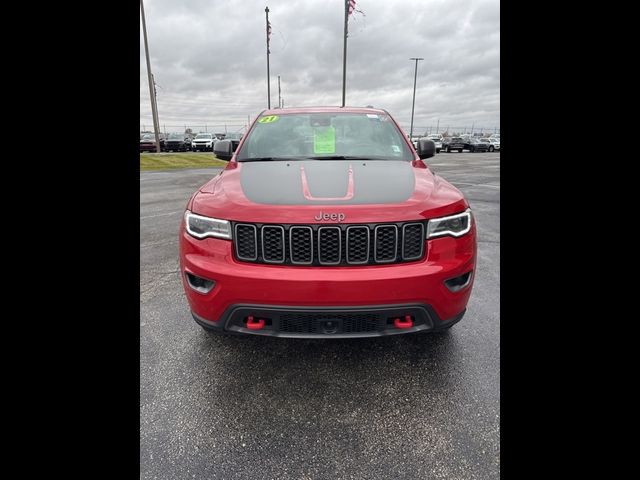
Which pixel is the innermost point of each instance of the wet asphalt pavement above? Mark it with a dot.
(408, 406)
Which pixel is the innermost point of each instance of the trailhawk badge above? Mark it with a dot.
(339, 217)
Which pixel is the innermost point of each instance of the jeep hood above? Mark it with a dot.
(339, 182)
(295, 191)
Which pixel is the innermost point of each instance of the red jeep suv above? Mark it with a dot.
(326, 223)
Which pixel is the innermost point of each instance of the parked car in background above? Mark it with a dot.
(477, 145)
(437, 139)
(148, 142)
(203, 142)
(494, 143)
(452, 143)
(235, 139)
(178, 142)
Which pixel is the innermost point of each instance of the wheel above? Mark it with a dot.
(460, 150)
(448, 149)
(491, 148)
(437, 150)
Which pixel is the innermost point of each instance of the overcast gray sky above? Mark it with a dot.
(209, 59)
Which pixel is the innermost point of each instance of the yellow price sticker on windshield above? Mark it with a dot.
(268, 119)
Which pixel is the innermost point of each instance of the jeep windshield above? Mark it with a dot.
(324, 136)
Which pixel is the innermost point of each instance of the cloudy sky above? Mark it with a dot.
(208, 58)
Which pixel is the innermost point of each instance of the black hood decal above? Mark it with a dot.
(332, 182)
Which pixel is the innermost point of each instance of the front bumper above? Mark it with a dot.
(327, 289)
(202, 146)
(327, 322)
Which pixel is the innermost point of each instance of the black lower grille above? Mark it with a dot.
(319, 323)
(327, 245)
(326, 321)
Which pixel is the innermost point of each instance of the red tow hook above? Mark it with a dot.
(406, 323)
(253, 324)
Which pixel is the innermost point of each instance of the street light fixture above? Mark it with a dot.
(413, 104)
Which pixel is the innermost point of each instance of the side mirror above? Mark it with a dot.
(223, 149)
(426, 148)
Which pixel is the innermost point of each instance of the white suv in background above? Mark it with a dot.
(495, 143)
(203, 141)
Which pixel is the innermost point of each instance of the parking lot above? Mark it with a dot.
(407, 406)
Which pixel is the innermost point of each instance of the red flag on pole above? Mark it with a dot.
(352, 6)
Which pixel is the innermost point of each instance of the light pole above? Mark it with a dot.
(154, 111)
(279, 97)
(344, 52)
(266, 11)
(413, 104)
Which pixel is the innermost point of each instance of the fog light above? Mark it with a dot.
(199, 284)
(458, 283)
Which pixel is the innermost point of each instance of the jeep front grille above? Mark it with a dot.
(327, 245)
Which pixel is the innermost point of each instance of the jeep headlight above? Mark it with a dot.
(202, 227)
(454, 225)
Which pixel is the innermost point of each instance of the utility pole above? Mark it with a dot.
(344, 53)
(438, 127)
(155, 98)
(279, 97)
(413, 104)
(268, 78)
(154, 111)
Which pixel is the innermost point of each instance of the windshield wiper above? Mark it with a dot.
(265, 159)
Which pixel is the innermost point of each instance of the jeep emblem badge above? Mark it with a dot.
(336, 217)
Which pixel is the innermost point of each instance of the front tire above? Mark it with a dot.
(448, 149)
(491, 149)
(460, 151)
